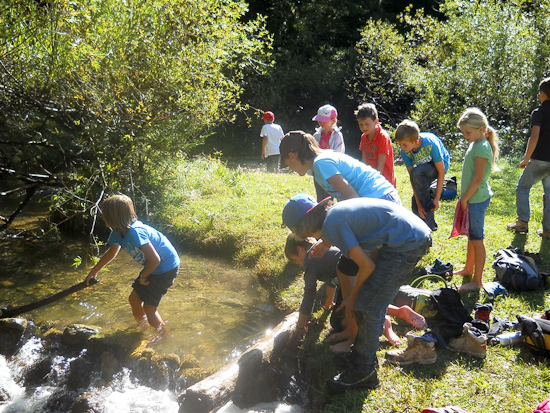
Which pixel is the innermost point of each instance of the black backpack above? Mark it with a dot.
(516, 271)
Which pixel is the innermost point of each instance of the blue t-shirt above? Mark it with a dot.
(372, 223)
(140, 234)
(366, 181)
(318, 269)
(431, 149)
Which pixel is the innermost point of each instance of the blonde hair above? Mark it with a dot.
(118, 212)
(475, 118)
(407, 130)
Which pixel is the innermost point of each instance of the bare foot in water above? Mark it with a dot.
(410, 316)
(390, 334)
(343, 347)
(471, 286)
(464, 273)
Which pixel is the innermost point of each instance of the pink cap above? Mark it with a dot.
(325, 113)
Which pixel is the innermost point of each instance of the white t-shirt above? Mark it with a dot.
(274, 134)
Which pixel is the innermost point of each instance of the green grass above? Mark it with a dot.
(237, 213)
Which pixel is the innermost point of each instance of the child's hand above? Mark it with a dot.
(144, 281)
(328, 306)
(90, 276)
(421, 210)
(463, 205)
(349, 305)
(436, 204)
(319, 249)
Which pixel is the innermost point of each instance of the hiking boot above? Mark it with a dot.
(353, 378)
(418, 351)
(518, 226)
(544, 234)
(472, 342)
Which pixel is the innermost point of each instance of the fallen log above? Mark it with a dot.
(246, 379)
(15, 311)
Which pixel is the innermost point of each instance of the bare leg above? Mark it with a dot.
(390, 334)
(153, 316)
(478, 258)
(408, 315)
(469, 266)
(137, 307)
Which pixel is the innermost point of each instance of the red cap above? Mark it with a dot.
(268, 115)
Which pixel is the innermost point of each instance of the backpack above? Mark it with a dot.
(516, 271)
(419, 299)
(449, 190)
(536, 332)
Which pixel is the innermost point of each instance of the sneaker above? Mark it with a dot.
(518, 226)
(418, 351)
(543, 234)
(483, 311)
(353, 378)
(472, 342)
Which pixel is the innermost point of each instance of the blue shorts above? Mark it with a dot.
(476, 214)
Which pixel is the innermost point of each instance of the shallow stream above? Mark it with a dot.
(213, 311)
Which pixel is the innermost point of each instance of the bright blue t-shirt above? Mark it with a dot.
(431, 149)
(372, 223)
(141, 234)
(366, 181)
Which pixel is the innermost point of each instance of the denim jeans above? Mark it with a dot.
(378, 291)
(534, 172)
(393, 196)
(421, 178)
(476, 218)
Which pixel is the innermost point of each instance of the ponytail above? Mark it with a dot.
(492, 137)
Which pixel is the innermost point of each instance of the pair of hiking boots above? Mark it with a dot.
(422, 351)
(522, 226)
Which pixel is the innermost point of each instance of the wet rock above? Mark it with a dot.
(154, 371)
(120, 343)
(60, 401)
(38, 372)
(4, 396)
(87, 403)
(80, 374)
(52, 338)
(189, 361)
(109, 366)
(76, 335)
(12, 331)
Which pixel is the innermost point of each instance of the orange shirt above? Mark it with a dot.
(379, 145)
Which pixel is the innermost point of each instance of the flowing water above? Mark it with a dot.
(213, 311)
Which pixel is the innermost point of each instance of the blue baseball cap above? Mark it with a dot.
(298, 206)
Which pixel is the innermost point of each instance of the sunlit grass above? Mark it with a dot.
(237, 213)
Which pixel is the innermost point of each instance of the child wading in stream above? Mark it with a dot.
(147, 246)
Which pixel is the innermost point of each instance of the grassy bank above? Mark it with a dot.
(237, 213)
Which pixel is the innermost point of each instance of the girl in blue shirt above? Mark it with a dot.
(147, 246)
(340, 175)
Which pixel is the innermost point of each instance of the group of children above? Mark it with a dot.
(372, 243)
(367, 240)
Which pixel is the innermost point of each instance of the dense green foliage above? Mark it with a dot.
(102, 89)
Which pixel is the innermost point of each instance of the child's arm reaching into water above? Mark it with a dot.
(329, 297)
(152, 260)
(109, 255)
